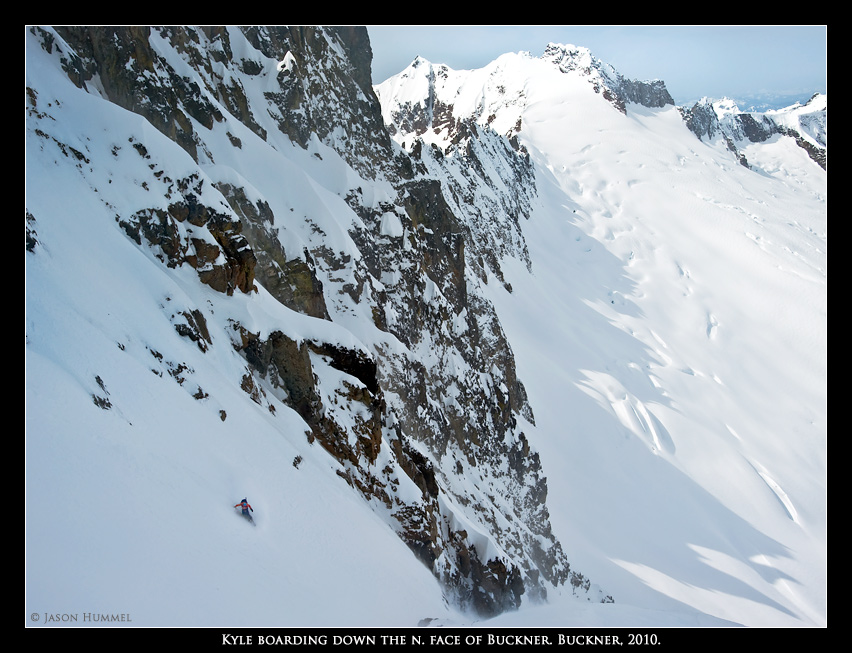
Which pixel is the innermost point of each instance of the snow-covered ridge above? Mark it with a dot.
(425, 98)
(809, 119)
(807, 122)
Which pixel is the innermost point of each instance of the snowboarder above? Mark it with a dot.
(246, 506)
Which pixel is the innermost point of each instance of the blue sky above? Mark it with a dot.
(693, 61)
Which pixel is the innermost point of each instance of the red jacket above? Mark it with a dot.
(244, 504)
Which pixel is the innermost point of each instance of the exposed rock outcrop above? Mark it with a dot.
(616, 88)
(216, 248)
(435, 397)
(722, 119)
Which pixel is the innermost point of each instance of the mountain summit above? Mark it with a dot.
(432, 96)
(526, 343)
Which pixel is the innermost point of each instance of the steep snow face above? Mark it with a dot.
(670, 319)
(426, 99)
(698, 300)
(554, 327)
(327, 282)
(139, 439)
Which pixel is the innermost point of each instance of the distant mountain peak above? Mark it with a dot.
(618, 89)
(430, 100)
(722, 118)
(419, 61)
(572, 57)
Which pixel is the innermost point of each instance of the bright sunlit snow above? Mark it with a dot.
(671, 335)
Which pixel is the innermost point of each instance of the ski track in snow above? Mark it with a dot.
(632, 413)
(776, 489)
(712, 325)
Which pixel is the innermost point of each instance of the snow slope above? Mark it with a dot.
(130, 510)
(672, 336)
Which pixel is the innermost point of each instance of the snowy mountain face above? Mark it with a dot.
(398, 367)
(463, 339)
(721, 119)
(433, 97)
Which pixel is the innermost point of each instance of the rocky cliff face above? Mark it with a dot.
(616, 88)
(721, 119)
(433, 397)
